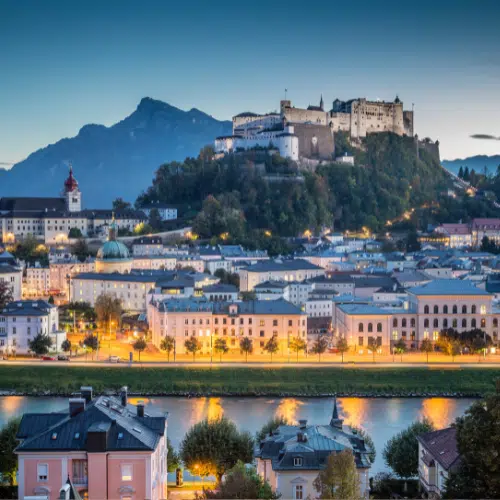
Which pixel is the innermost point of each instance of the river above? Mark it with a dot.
(380, 417)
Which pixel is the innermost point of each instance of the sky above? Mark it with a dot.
(67, 63)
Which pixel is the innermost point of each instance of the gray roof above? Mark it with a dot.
(7, 268)
(145, 277)
(286, 265)
(27, 308)
(125, 430)
(220, 288)
(448, 287)
(363, 309)
(442, 446)
(271, 284)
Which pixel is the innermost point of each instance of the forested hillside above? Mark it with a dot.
(235, 197)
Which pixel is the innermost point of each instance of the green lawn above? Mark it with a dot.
(251, 381)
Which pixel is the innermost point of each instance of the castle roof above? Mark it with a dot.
(70, 184)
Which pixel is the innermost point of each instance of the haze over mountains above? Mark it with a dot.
(115, 161)
(478, 163)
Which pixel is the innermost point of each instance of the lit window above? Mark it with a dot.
(394, 335)
(483, 309)
(43, 472)
(126, 472)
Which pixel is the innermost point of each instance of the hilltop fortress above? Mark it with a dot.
(308, 133)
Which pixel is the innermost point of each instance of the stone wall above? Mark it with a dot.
(315, 141)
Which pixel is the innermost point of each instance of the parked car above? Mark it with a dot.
(48, 358)
(62, 357)
(114, 359)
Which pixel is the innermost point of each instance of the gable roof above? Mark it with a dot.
(442, 445)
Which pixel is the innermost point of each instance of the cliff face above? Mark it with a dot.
(115, 161)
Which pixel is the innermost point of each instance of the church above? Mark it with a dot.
(50, 220)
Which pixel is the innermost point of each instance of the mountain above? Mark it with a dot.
(116, 161)
(474, 162)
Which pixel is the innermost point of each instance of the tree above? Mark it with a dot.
(8, 443)
(108, 309)
(192, 345)
(342, 346)
(173, 458)
(167, 344)
(412, 243)
(212, 447)
(91, 343)
(339, 479)
(74, 233)
(143, 228)
(400, 347)
(297, 344)
(51, 300)
(272, 346)
(368, 440)
(66, 346)
(40, 344)
(320, 346)
(81, 249)
(427, 347)
(241, 482)
(466, 176)
(6, 295)
(119, 204)
(373, 346)
(220, 346)
(248, 296)
(269, 427)
(155, 219)
(461, 172)
(139, 345)
(401, 451)
(478, 442)
(246, 346)
(228, 278)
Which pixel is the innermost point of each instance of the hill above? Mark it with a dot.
(478, 163)
(240, 203)
(115, 161)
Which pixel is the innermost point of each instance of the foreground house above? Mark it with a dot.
(437, 457)
(291, 458)
(106, 447)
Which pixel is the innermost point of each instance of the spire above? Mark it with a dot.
(321, 103)
(70, 183)
(335, 420)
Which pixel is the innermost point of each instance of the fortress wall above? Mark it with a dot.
(315, 141)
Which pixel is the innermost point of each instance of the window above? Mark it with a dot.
(435, 336)
(473, 310)
(395, 322)
(436, 323)
(464, 323)
(403, 323)
(426, 310)
(495, 322)
(394, 335)
(360, 341)
(290, 322)
(483, 309)
(464, 309)
(473, 323)
(360, 328)
(126, 472)
(261, 322)
(455, 309)
(412, 322)
(426, 323)
(379, 327)
(298, 492)
(275, 322)
(43, 472)
(445, 309)
(370, 327)
(454, 323)
(297, 461)
(436, 310)
(445, 323)
(483, 322)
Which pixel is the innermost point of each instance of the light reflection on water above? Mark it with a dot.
(380, 417)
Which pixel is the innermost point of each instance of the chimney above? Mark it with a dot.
(302, 424)
(86, 391)
(76, 406)
(140, 408)
(301, 437)
(124, 395)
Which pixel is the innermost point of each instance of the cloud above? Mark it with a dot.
(485, 136)
(6, 163)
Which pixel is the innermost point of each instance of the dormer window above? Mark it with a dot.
(53, 436)
(297, 461)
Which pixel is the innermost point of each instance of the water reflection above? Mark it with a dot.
(288, 408)
(439, 411)
(215, 410)
(353, 411)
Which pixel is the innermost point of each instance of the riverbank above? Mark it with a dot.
(228, 381)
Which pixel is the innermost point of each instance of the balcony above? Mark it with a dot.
(80, 480)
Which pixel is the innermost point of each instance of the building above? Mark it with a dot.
(457, 235)
(208, 321)
(62, 271)
(166, 261)
(22, 320)
(113, 256)
(437, 456)
(13, 276)
(227, 293)
(292, 456)
(319, 308)
(51, 219)
(37, 282)
(277, 270)
(105, 446)
(166, 212)
(485, 227)
(345, 159)
(146, 246)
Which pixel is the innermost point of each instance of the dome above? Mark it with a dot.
(70, 183)
(113, 250)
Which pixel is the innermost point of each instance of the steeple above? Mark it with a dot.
(71, 193)
(321, 104)
(335, 420)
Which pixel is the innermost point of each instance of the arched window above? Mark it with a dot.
(455, 309)
(403, 323)
(379, 327)
(495, 322)
(464, 309)
(436, 323)
(426, 310)
(473, 323)
(370, 327)
(413, 322)
(445, 323)
(395, 322)
(436, 310)
(473, 310)
(445, 309)
(454, 323)
(464, 323)
(426, 323)
(483, 322)
(360, 328)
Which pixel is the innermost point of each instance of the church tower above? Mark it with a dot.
(321, 103)
(72, 194)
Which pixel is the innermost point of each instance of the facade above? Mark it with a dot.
(437, 457)
(147, 246)
(106, 448)
(208, 321)
(166, 212)
(286, 270)
(62, 271)
(22, 320)
(13, 276)
(166, 261)
(485, 227)
(51, 219)
(319, 308)
(113, 256)
(291, 458)
(227, 293)
(457, 235)
(37, 282)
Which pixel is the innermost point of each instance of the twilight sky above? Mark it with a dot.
(67, 63)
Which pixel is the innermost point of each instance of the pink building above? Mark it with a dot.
(103, 448)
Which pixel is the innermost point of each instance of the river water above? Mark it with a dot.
(380, 417)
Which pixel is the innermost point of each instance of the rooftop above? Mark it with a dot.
(448, 287)
(285, 265)
(442, 446)
(27, 308)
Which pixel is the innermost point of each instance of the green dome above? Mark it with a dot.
(113, 250)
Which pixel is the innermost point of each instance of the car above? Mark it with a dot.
(114, 359)
(48, 358)
(62, 357)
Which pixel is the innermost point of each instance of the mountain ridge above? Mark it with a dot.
(117, 160)
(476, 162)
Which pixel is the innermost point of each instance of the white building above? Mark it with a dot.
(13, 276)
(319, 308)
(22, 320)
(346, 159)
(37, 282)
(147, 246)
(166, 212)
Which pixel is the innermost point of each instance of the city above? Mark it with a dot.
(296, 297)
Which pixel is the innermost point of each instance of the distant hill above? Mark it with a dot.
(116, 161)
(474, 162)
